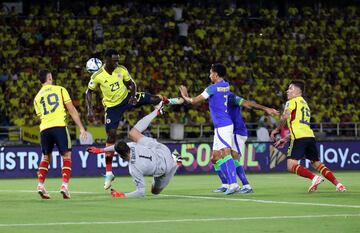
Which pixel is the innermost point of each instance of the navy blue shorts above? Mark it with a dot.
(114, 114)
(58, 136)
(303, 148)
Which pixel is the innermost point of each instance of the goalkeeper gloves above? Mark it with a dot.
(95, 150)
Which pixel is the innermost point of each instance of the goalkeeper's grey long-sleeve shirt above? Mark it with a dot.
(148, 157)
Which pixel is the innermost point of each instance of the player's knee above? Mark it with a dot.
(154, 99)
(235, 155)
(215, 157)
(291, 164)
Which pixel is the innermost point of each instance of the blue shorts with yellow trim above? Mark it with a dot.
(303, 148)
(58, 136)
(113, 115)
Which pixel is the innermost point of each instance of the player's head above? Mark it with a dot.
(295, 89)
(111, 58)
(122, 149)
(45, 76)
(217, 71)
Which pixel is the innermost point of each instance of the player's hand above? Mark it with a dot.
(183, 91)
(117, 194)
(132, 100)
(273, 133)
(95, 150)
(272, 111)
(83, 134)
(280, 143)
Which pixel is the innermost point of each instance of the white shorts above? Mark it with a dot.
(223, 137)
(239, 144)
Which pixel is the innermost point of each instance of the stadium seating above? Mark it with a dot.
(262, 55)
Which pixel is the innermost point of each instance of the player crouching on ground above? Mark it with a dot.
(146, 156)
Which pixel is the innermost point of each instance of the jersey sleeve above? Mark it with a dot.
(210, 90)
(148, 142)
(139, 181)
(65, 95)
(92, 83)
(236, 100)
(290, 105)
(37, 108)
(126, 74)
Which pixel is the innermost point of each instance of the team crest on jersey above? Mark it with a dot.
(108, 121)
(120, 75)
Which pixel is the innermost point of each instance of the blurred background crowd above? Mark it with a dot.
(163, 45)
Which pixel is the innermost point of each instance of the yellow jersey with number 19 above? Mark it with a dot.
(299, 122)
(111, 85)
(49, 104)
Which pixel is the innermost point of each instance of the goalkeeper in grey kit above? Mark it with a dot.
(146, 156)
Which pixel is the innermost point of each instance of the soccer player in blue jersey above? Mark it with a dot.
(235, 103)
(218, 93)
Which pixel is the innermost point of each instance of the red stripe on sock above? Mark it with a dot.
(329, 176)
(302, 171)
(66, 170)
(109, 159)
(43, 170)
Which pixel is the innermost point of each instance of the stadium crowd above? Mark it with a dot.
(164, 46)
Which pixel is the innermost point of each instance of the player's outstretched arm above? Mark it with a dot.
(88, 100)
(250, 104)
(187, 98)
(97, 150)
(286, 114)
(75, 116)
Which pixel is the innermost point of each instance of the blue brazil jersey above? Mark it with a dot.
(234, 110)
(218, 99)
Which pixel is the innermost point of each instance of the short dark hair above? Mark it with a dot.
(122, 148)
(299, 84)
(220, 69)
(43, 75)
(110, 52)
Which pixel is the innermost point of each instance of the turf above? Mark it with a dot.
(280, 203)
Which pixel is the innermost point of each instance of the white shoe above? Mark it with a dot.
(315, 183)
(340, 188)
(42, 192)
(65, 192)
(108, 180)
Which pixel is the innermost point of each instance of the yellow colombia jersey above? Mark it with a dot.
(49, 105)
(299, 121)
(111, 85)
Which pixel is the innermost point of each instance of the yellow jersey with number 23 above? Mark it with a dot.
(111, 85)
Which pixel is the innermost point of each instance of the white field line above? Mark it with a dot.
(180, 220)
(263, 201)
(212, 198)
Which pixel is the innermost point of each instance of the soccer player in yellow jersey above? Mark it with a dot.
(119, 95)
(51, 103)
(302, 140)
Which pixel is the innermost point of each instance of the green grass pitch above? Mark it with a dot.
(280, 203)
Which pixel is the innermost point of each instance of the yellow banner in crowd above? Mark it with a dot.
(31, 134)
